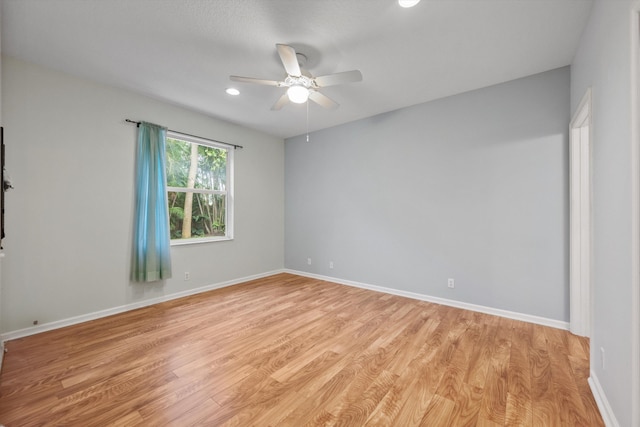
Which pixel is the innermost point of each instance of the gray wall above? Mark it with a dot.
(603, 62)
(472, 187)
(69, 219)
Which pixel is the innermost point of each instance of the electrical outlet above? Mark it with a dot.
(187, 275)
(330, 264)
(308, 261)
(451, 283)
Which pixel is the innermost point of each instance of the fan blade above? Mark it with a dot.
(256, 81)
(339, 78)
(323, 100)
(289, 60)
(280, 102)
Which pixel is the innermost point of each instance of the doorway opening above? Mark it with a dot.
(580, 218)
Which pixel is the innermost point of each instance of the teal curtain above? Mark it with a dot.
(151, 247)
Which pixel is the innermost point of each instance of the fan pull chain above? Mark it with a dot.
(307, 120)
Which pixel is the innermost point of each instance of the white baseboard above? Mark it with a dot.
(606, 412)
(443, 301)
(127, 307)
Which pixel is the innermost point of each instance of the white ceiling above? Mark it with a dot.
(183, 51)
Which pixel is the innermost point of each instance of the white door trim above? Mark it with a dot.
(580, 218)
(635, 213)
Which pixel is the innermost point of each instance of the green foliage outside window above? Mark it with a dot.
(196, 177)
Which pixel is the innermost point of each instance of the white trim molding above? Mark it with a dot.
(580, 218)
(635, 212)
(133, 306)
(443, 301)
(127, 307)
(600, 397)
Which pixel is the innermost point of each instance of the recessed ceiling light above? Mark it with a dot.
(408, 3)
(232, 91)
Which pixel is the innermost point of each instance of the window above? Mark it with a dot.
(199, 185)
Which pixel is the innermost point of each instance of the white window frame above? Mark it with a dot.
(228, 193)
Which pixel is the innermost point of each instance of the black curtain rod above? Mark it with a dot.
(194, 136)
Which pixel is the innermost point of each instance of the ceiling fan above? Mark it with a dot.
(300, 84)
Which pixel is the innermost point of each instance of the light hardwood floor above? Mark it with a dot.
(294, 351)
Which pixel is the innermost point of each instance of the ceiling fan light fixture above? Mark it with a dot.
(232, 91)
(298, 94)
(408, 3)
(299, 85)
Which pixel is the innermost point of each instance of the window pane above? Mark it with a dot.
(191, 165)
(178, 162)
(212, 168)
(207, 213)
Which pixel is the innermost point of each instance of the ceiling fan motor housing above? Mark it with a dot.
(303, 80)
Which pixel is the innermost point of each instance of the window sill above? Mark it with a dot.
(198, 241)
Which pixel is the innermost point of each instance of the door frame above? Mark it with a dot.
(580, 231)
(635, 212)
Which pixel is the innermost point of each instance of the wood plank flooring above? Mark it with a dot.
(293, 351)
